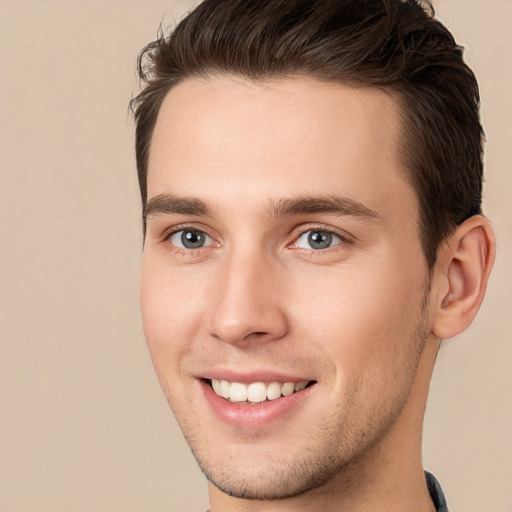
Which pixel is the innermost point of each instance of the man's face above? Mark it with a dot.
(282, 249)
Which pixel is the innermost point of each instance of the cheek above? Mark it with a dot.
(363, 323)
(170, 314)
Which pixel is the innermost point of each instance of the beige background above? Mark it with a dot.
(83, 425)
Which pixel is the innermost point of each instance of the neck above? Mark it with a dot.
(388, 477)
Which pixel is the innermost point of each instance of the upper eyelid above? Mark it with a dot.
(341, 237)
(167, 233)
(343, 241)
(341, 233)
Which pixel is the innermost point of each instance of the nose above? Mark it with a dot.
(248, 300)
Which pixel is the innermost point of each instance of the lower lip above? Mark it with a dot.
(252, 416)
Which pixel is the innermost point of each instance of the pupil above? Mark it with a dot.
(320, 240)
(192, 239)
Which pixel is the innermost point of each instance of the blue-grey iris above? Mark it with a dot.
(319, 239)
(192, 239)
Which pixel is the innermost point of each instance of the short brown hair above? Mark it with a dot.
(394, 44)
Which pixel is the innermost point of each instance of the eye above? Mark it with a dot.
(190, 239)
(317, 239)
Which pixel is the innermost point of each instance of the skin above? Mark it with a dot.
(361, 318)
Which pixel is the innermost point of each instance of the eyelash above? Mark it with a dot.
(343, 238)
(187, 228)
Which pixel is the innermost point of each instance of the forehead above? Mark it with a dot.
(224, 136)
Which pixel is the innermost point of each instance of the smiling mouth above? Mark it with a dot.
(256, 392)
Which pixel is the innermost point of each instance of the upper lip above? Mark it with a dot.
(252, 376)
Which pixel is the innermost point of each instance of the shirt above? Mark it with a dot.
(436, 493)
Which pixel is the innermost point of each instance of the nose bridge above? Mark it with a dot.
(245, 303)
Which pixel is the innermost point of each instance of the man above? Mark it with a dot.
(311, 178)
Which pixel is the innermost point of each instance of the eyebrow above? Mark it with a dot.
(302, 205)
(330, 204)
(168, 204)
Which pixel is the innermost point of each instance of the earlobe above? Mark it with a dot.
(461, 273)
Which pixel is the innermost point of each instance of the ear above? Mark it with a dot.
(464, 262)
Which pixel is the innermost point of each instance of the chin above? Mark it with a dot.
(272, 482)
(271, 475)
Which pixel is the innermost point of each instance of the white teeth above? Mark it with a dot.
(216, 386)
(300, 386)
(255, 392)
(224, 388)
(238, 392)
(274, 390)
(287, 388)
